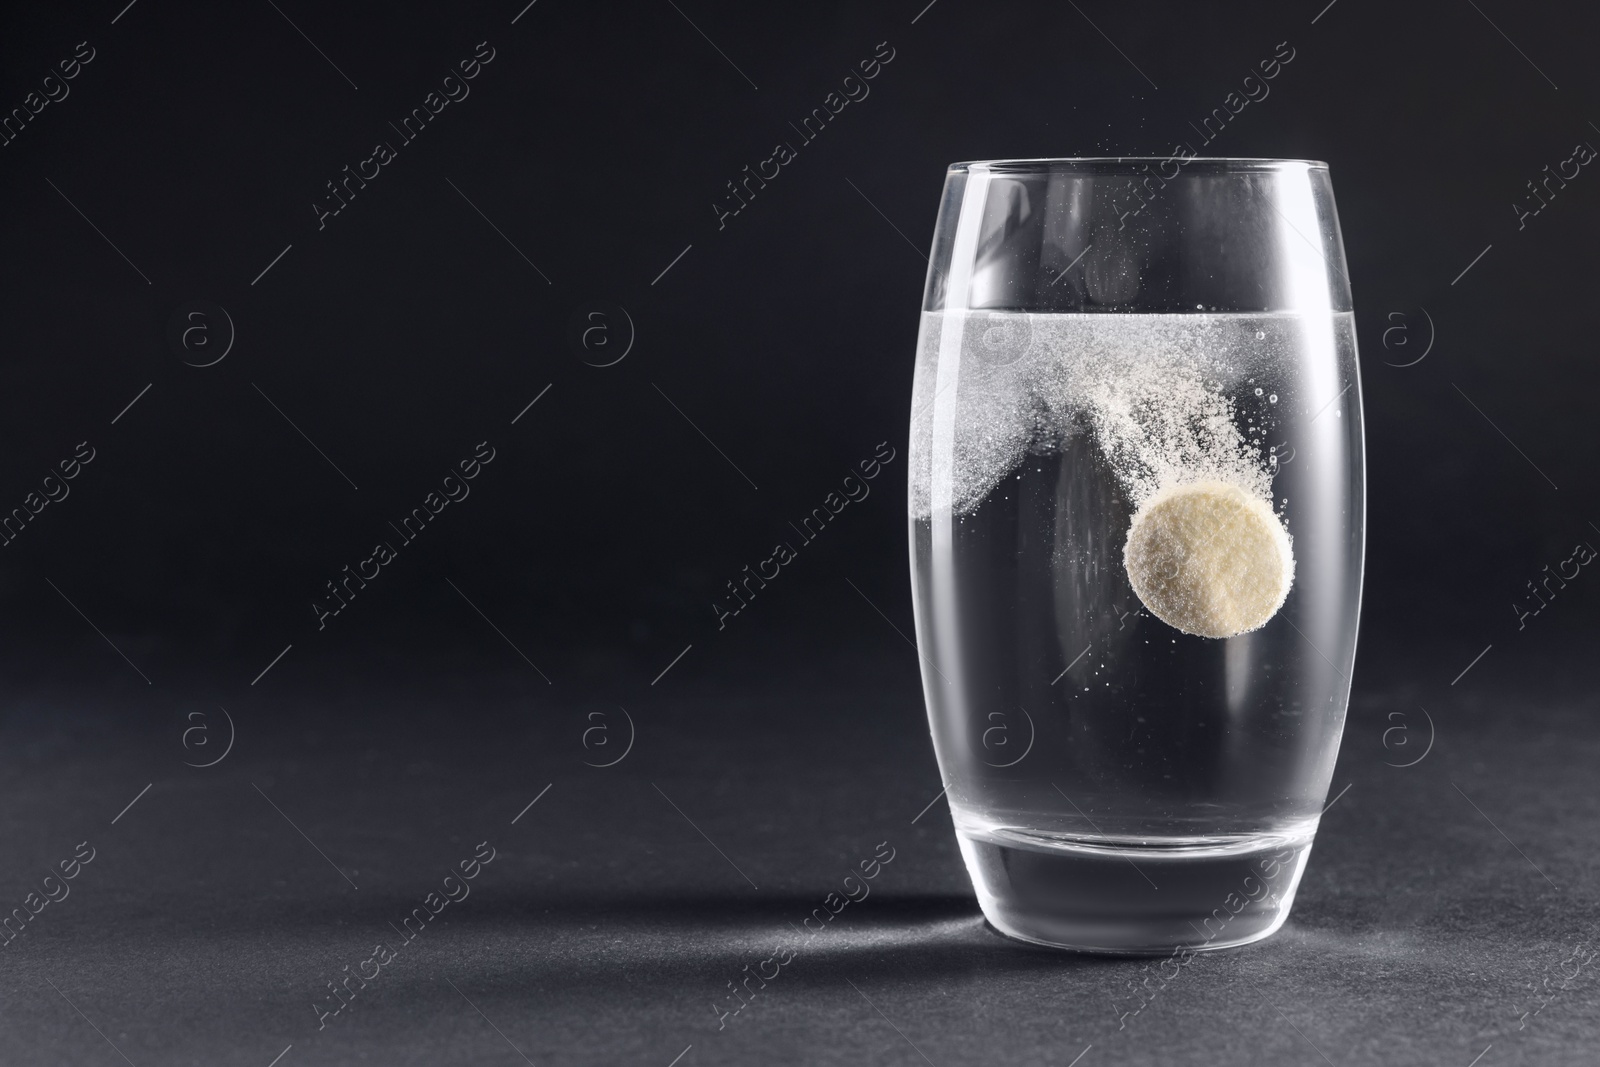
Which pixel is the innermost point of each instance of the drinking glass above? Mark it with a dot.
(1136, 516)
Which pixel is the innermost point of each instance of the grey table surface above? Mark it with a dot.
(1445, 917)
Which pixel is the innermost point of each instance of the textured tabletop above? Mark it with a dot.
(610, 910)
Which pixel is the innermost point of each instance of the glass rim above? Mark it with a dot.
(1044, 164)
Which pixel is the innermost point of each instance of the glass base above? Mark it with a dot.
(1122, 899)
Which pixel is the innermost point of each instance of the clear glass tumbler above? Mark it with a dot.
(1136, 511)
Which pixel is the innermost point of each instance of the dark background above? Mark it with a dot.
(415, 325)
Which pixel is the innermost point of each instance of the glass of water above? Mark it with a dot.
(1136, 511)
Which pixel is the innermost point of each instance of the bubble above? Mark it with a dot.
(1261, 335)
(1273, 399)
(1259, 390)
(1154, 394)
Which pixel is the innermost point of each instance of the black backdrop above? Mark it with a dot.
(414, 324)
(762, 354)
